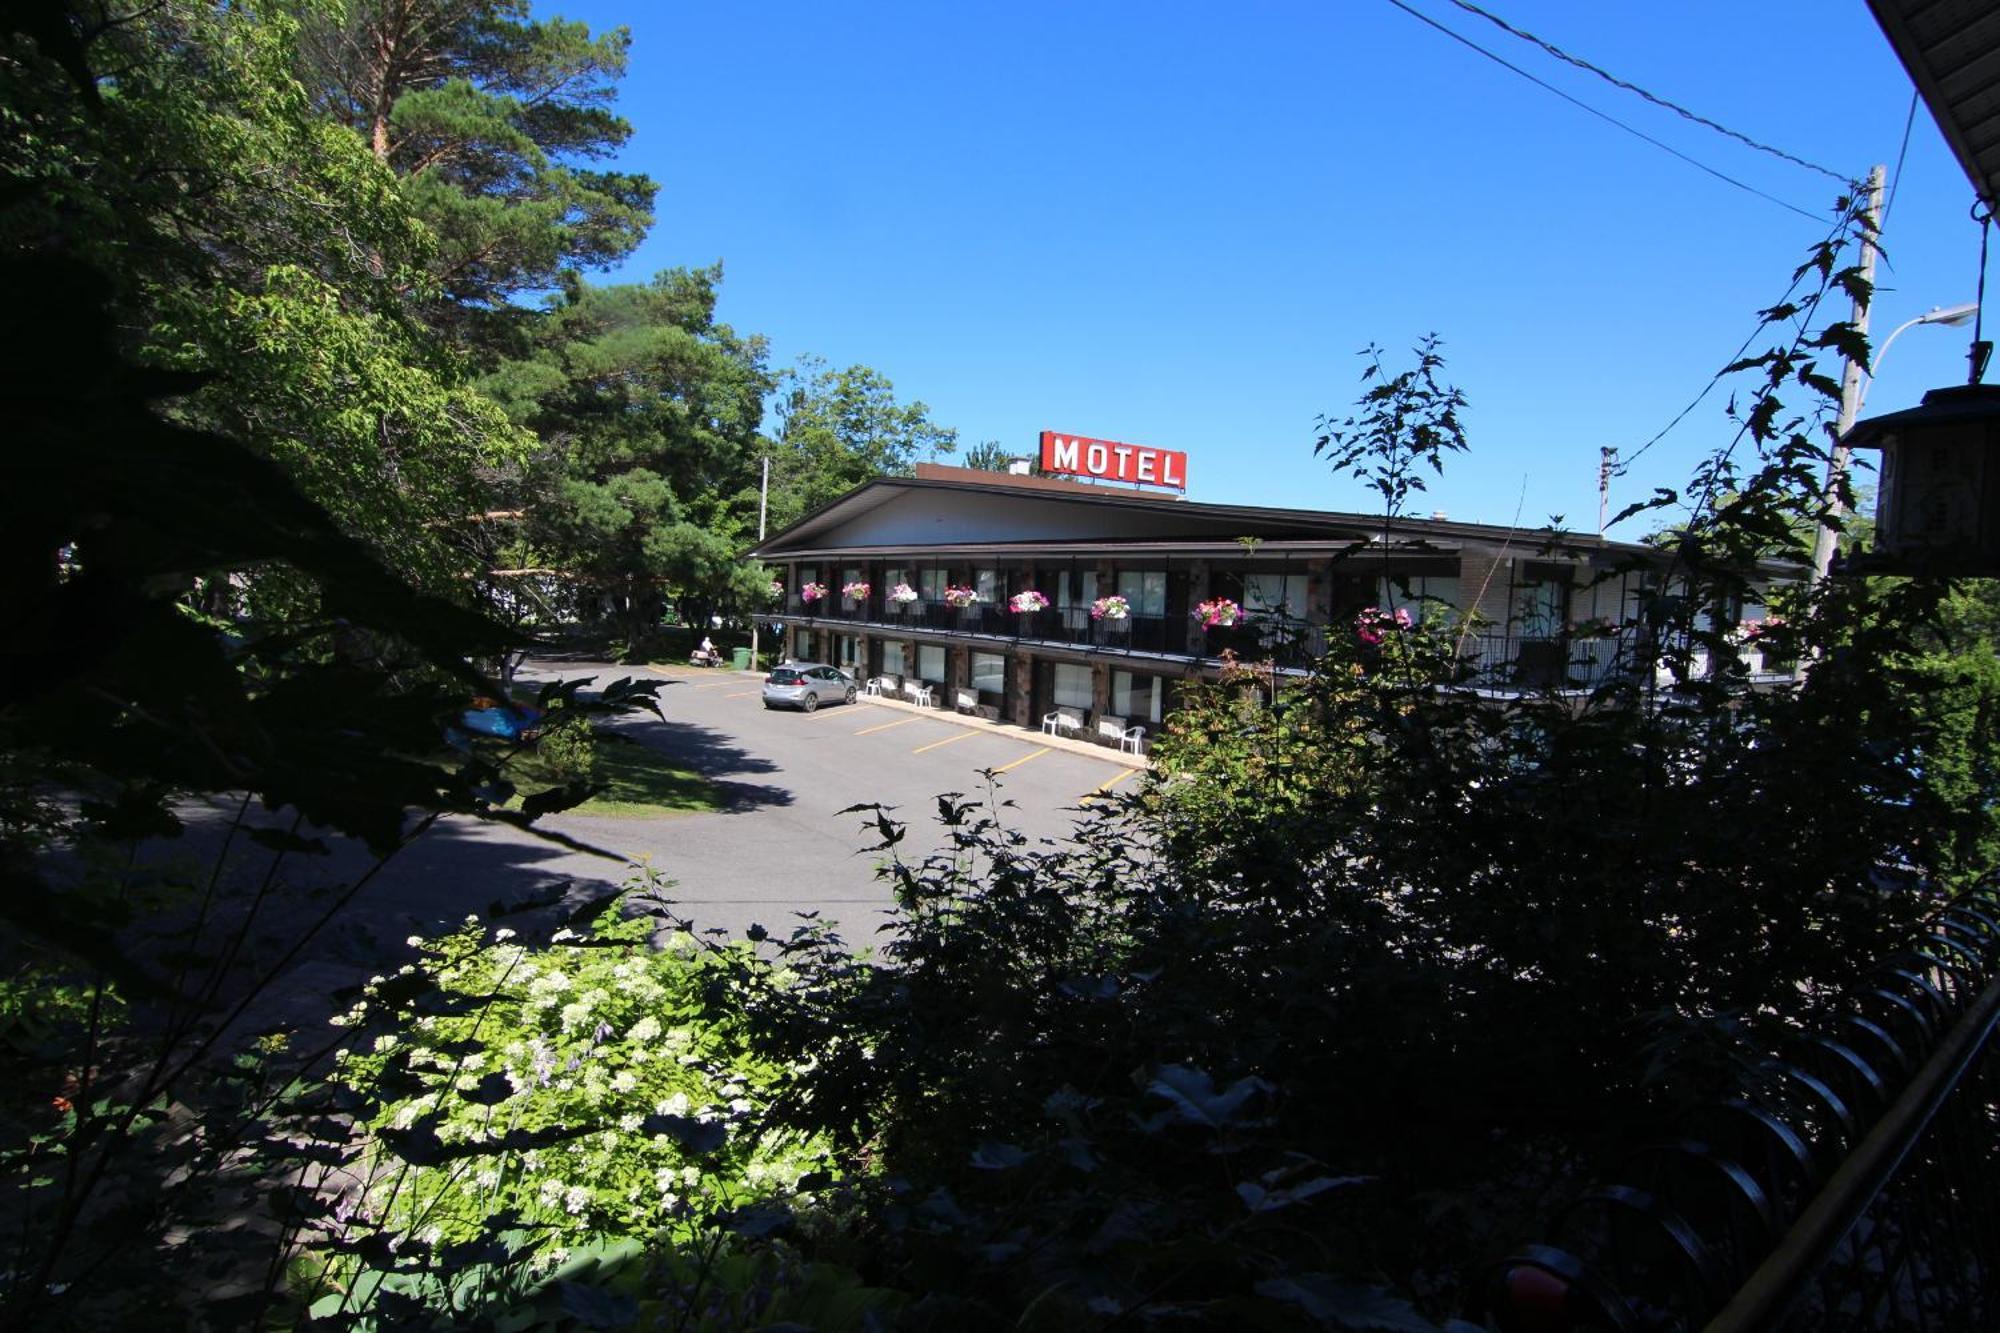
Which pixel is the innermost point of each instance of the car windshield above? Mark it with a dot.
(784, 676)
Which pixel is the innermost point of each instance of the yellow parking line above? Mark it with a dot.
(961, 736)
(1109, 783)
(1023, 759)
(904, 722)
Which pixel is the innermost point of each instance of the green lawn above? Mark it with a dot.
(639, 783)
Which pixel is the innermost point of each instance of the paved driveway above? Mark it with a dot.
(781, 846)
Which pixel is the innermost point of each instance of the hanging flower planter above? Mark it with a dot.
(856, 591)
(1218, 611)
(777, 590)
(960, 597)
(811, 592)
(1027, 602)
(1111, 608)
(1374, 624)
(903, 594)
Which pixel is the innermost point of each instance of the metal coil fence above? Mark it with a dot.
(1852, 1183)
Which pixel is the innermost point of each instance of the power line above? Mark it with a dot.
(1897, 179)
(1624, 464)
(1674, 107)
(1601, 115)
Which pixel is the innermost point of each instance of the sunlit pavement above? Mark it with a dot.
(780, 845)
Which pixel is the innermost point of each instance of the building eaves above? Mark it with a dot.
(1296, 524)
(1951, 49)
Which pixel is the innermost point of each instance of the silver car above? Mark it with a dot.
(807, 685)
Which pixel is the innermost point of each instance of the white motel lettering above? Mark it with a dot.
(1108, 460)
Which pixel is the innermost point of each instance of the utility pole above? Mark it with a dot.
(763, 505)
(1850, 389)
(1607, 463)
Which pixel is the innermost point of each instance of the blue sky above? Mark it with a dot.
(1176, 224)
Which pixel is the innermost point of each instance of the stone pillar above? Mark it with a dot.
(1021, 690)
(1319, 592)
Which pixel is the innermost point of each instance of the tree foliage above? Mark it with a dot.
(252, 243)
(839, 428)
(492, 121)
(647, 411)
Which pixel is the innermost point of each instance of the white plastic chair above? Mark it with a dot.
(1063, 721)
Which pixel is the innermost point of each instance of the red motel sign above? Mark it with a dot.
(1108, 460)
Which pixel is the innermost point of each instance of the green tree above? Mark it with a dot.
(491, 120)
(251, 241)
(987, 456)
(839, 428)
(647, 411)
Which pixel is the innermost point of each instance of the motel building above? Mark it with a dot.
(1089, 599)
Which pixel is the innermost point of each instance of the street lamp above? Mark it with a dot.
(1853, 391)
(1950, 316)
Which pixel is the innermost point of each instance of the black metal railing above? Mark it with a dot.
(1291, 643)
(1502, 660)
(1854, 1184)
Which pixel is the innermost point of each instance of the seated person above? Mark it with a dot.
(706, 654)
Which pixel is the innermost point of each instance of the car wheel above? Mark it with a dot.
(851, 692)
(810, 702)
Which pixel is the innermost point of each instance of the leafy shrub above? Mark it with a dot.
(600, 1086)
(568, 749)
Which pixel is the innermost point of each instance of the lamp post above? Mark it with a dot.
(1950, 316)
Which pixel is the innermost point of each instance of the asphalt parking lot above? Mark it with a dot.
(780, 845)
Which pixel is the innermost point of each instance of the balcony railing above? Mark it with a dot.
(1497, 659)
(1290, 643)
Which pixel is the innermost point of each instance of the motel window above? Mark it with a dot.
(1145, 589)
(1275, 594)
(1422, 595)
(986, 582)
(890, 578)
(892, 658)
(807, 574)
(932, 583)
(1072, 686)
(849, 575)
(1137, 698)
(989, 673)
(849, 648)
(930, 662)
(1541, 601)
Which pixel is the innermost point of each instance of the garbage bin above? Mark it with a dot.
(740, 658)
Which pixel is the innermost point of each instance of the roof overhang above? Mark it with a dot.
(1951, 49)
(1221, 526)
